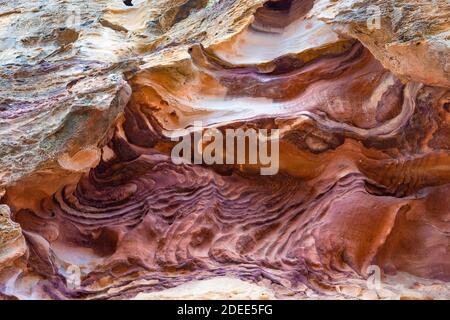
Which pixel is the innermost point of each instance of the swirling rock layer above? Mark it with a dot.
(364, 159)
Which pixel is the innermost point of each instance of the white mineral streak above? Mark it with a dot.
(211, 289)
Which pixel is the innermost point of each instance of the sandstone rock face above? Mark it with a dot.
(12, 242)
(93, 95)
(410, 38)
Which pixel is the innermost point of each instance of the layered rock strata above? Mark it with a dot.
(93, 97)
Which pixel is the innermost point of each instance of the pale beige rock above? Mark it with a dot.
(409, 37)
(82, 161)
(63, 64)
(12, 242)
(295, 35)
(216, 288)
(65, 79)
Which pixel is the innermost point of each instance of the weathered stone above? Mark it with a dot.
(12, 242)
(410, 38)
(93, 94)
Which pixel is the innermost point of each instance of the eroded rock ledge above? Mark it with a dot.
(92, 92)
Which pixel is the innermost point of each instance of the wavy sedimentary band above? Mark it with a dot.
(332, 210)
(364, 175)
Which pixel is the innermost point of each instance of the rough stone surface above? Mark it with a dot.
(92, 93)
(12, 242)
(410, 38)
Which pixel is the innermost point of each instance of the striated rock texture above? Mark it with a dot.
(410, 38)
(12, 242)
(92, 94)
